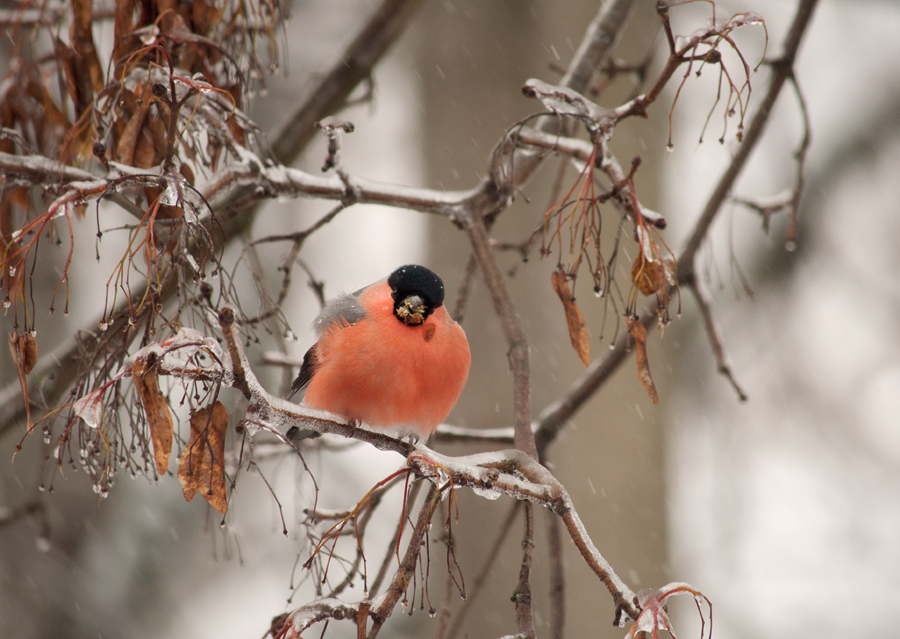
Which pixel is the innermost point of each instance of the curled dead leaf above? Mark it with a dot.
(639, 333)
(26, 350)
(24, 353)
(145, 378)
(574, 319)
(202, 463)
(653, 276)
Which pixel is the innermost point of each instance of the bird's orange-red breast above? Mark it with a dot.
(389, 355)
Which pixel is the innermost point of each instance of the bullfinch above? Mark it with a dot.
(388, 355)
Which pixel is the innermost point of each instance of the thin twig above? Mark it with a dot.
(465, 289)
(481, 578)
(445, 613)
(715, 336)
(404, 573)
(395, 540)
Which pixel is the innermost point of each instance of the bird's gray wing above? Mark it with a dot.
(344, 309)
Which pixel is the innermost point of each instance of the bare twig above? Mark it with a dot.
(715, 337)
(403, 576)
(514, 473)
(395, 540)
(465, 289)
(793, 229)
(492, 555)
(583, 151)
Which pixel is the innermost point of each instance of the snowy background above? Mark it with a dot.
(784, 510)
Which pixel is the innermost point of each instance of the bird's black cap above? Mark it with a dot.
(413, 279)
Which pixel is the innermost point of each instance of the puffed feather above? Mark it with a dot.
(344, 309)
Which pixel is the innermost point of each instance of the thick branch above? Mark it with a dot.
(513, 473)
(522, 595)
(512, 329)
(510, 472)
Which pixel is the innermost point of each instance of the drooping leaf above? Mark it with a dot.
(88, 74)
(128, 137)
(202, 463)
(653, 276)
(158, 416)
(28, 351)
(639, 333)
(124, 25)
(574, 319)
(24, 353)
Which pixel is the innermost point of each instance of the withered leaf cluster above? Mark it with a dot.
(161, 106)
(137, 103)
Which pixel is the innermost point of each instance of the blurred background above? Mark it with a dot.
(783, 509)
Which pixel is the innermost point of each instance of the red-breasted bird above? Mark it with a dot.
(388, 355)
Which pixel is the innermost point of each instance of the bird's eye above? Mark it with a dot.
(412, 310)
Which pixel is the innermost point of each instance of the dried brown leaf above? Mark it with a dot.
(574, 319)
(186, 173)
(89, 72)
(652, 276)
(128, 139)
(144, 375)
(639, 333)
(42, 114)
(29, 351)
(24, 353)
(124, 25)
(202, 463)
(145, 155)
(203, 15)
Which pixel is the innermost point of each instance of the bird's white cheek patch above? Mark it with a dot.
(429, 332)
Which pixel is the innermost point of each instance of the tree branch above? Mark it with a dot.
(510, 472)
(230, 221)
(782, 70)
(522, 595)
(557, 414)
